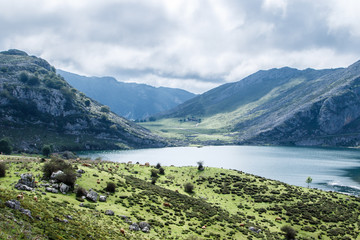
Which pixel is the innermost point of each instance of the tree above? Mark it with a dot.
(2, 169)
(46, 150)
(110, 187)
(308, 181)
(200, 165)
(5, 146)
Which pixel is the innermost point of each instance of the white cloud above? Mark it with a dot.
(193, 45)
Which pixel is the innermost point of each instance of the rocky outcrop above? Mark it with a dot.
(64, 188)
(26, 182)
(17, 206)
(92, 195)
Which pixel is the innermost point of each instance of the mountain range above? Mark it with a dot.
(39, 107)
(130, 100)
(283, 106)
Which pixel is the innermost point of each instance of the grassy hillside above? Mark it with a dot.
(229, 203)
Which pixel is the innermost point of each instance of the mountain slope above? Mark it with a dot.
(39, 107)
(284, 106)
(130, 100)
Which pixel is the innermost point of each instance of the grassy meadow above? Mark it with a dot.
(224, 204)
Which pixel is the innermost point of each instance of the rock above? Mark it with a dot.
(145, 230)
(92, 195)
(23, 187)
(55, 185)
(26, 212)
(53, 190)
(45, 185)
(26, 182)
(109, 212)
(43, 193)
(14, 204)
(80, 171)
(102, 198)
(69, 217)
(55, 174)
(143, 225)
(254, 229)
(134, 227)
(64, 188)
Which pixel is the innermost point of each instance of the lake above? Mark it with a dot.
(331, 169)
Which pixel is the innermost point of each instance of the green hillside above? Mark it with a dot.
(39, 107)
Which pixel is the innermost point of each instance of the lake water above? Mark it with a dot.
(331, 169)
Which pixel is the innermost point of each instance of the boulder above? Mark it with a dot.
(144, 226)
(134, 227)
(14, 204)
(23, 187)
(80, 171)
(92, 195)
(109, 212)
(55, 174)
(53, 190)
(102, 198)
(55, 185)
(64, 188)
(26, 182)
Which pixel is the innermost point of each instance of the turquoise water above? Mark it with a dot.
(331, 169)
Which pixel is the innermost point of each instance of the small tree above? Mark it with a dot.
(154, 173)
(80, 192)
(289, 232)
(189, 188)
(201, 166)
(158, 166)
(308, 181)
(46, 150)
(24, 77)
(161, 171)
(2, 169)
(5, 146)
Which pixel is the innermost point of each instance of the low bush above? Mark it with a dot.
(189, 188)
(158, 166)
(289, 232)
(69, 176)
(80, 192)
(46, 150)
(161, 171)
(200, 166)
(154, 173)
(110, 187)
(2, 169)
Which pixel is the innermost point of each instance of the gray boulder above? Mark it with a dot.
(145, 229)
(64, 188)
(13, 204)
(92, 195)
(109, 212)
(102, 198)
(144, 226)
(55, 174)
(80, 171)
(134, 227)
(55, 185)
(26, 182)
(23, 187)
(53, 190)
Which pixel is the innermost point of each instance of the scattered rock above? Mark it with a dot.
(80, 171)
(64, 188)
(69, 217)
(14, 204)
(92, 195)
(45, 185)
(102, 198)
(53, 190)
(55, 174)
(134, 227)
(109, 212)
(55, 185)
(253, 229)
(143, 225)
(26, 182)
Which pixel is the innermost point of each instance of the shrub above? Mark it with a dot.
(69, 177)
(105, 109)
(46, 150)
(23, 77)
(33, 80)
(2, 169)
(290, 233)
(189, 188)
(161, 171)
(80, 192)
(154, 173)
(54, 165)
(87, 102)
(110, 187)
(158, 166)
(5, 146)
(153, 180)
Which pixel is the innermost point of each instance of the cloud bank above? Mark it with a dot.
(195, 45)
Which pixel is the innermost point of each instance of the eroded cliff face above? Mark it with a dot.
(39, 103)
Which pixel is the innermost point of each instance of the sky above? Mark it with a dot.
(195, 45)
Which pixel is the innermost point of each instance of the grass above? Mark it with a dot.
(223, 200)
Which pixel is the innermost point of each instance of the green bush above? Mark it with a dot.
(80, 192)
(54, 165)
(161, 171)
(201, 166)
(2, 169)
(189, 188)
(158, 166)
(289, 232)
(154, 173)
(33, 80)
(105, 109)
(5, 146)
(110, 187)
(87, 102)
(23, 77)
(69, 177)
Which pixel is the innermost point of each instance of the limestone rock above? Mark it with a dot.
(92, 195)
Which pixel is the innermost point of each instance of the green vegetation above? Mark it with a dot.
(46, 150)
(2, 169)
(225, 204)
(5, 146)
(189, 187)
(308, 181)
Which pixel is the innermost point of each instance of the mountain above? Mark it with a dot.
(39, 107)
(130, 100)
(284, 106)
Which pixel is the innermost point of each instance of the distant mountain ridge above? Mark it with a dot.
(38, 107)
(130, 100)
(284, 107)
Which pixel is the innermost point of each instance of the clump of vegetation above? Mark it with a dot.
(23, 77)
(46, 150)
(154, 173)
(161, 171)
(110, 187)
(308, 181)
(33, 80)
(158, 166)
(80, 192)
(87, 102)
(289, 232)
(2, 169)
(189, 187)
(69, 176)
(5, 146)
(105, 109)
(200, 166)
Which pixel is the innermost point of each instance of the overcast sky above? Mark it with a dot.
(191, 44)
